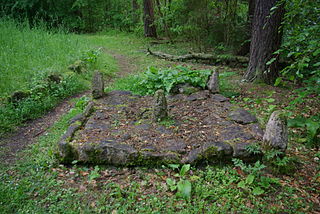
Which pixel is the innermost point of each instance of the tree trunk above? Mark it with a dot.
(265, 40)
(252, 5)
(163, 18)
(245, 47)
(149, 26)
(135, 8)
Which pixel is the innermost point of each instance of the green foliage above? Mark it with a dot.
(254, 149)
(302, 44)
(94, 173)
(184, 189)
(206, 23)
(23, 69)
(312, 129)
(91, 57)
(255, 182)
(226, 87)
(279, 162)
(183, 186)
(43, 96)
(76, 15)
(34, 179)
(155, 79)
(25, 50)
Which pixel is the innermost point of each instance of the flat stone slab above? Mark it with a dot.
(121, 130)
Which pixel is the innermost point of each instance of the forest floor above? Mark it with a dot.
(27, 134)
(33, 181)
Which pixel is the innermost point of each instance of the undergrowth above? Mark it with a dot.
(153, 79)
(28, 52)
(34, 75)
(38, 184)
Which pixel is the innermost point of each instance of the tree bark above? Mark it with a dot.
(265, 40)
(135, 8)
(245, 47)
(149, 26)
(163, 18)
(252, 6)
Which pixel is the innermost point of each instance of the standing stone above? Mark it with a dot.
(160, 106)
(97, 85)
(276, 134)
(213, 83)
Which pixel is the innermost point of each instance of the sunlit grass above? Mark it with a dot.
(26, 53)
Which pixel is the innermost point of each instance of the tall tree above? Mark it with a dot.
(245, 47)
(265, 40)
(163, 18)
(135, 8)
(149, 25)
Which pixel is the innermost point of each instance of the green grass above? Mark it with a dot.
(130, 45)
(29, 56)
(27, 53)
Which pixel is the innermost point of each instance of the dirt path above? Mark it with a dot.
(27, 134)
(125, 64)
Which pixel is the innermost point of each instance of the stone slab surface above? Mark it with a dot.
(202, 127)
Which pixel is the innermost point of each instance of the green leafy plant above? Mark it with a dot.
(42, 96)
(279, 162)
(183, 186)
(254, 182)
(301, 46)
(91, 57)
(312, 127)
(254, 149)
(94, 174)
(155, 79)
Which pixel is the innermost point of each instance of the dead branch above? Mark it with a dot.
(207, 58)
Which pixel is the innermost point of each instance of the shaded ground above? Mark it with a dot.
(128, 188)
(201, 127)
(27, 134)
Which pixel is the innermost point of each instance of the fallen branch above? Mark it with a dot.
(208, 58)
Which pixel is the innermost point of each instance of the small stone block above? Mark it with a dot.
(276, 133)
(213, 83)
(97, 85)
(160, 106)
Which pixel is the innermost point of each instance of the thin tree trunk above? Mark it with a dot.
(164, 22)
(252, 6)
(135, 8)
(265, 40)
(149, 26)
(245, 47)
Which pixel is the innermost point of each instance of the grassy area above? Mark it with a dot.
(37, 183)
(29, 57)
(27, 53)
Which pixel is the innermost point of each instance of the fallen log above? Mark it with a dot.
(208, 58)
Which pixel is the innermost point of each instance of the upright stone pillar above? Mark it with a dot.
(160, 110)
(276, 134)
(213, 83)
(97, 85)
